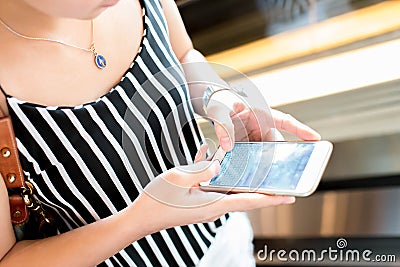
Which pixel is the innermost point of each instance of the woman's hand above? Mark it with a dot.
(171, 199)
(175, 198)
(240, 123)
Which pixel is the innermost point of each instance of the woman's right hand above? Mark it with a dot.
(174, 197)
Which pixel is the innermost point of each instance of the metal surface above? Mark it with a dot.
(364, 213)
(368, 157)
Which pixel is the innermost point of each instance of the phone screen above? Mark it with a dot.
(264, 165)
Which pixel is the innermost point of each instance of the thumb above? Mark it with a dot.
(225, 134)
(223, 125)
(200, 172)
(201, 154)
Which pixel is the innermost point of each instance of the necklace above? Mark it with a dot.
(99, 60)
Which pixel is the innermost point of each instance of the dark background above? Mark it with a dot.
(217, 25)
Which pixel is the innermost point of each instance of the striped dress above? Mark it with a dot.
(90, 161)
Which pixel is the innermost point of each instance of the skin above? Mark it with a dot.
(68, 70)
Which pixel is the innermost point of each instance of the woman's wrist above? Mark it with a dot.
(209, 92)
(220, 97)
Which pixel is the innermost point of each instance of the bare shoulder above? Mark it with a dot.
(3, 104)
(8, 239)
(179, 38)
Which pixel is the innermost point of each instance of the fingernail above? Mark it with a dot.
(289, 200)
(198, 156)
(216, 166)
(226, 142)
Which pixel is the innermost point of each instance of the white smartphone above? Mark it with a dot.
(276, 168)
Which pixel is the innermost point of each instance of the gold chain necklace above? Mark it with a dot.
(99, 60)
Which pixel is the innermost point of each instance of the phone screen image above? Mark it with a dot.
(264, 165)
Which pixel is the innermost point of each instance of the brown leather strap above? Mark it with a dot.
(10, 166)
(10, 169)
(18, 209)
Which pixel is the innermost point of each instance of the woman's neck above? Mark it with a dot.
(28, 21)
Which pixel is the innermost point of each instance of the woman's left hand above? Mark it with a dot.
(244, 124)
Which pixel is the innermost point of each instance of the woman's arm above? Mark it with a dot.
(93, 243)
(173, 198)
(196, 69)
(188, 56)
(7, 234)
(85, 246)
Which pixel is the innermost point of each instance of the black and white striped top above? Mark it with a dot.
(77, 158)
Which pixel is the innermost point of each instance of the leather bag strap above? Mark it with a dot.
(10, 166)
(10, 169)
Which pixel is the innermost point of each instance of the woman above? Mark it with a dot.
(68, 98)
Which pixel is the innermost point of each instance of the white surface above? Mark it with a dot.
(329, 75)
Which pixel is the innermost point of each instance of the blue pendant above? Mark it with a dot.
(100, 61)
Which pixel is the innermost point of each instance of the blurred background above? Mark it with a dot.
(334, 65)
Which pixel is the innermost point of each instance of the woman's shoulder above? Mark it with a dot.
(3, 104)
(178, 36)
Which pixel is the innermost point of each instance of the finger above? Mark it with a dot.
(210, 157)
(274, 135)
(257, 123)
(250, 201)
(240, 121)
(288, 123)
(225, 135)
(254, 124)
(238, 107)
(201, 154)
(223, 125)
(199, 172)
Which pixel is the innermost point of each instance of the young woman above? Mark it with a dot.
(68, 72)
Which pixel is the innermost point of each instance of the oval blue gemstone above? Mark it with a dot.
(100, 61)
